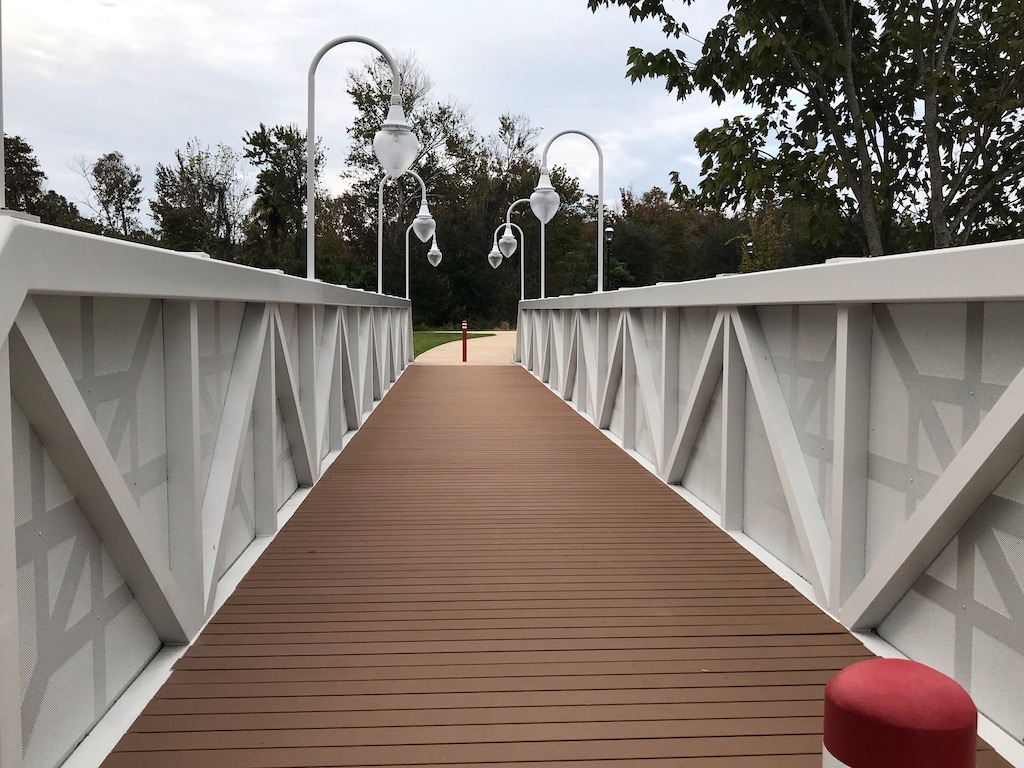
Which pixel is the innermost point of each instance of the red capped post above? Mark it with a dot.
(465, 339)
(896, 713)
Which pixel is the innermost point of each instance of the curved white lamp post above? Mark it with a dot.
(395, 145)
(506, 246)
(433, 255)
(544, 203)
(423, 225)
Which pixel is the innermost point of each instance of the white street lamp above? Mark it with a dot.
(509, 244)
(423, 225)
(544, 203)
(433, 255)
(395, 145)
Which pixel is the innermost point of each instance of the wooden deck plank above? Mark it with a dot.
(154, 723)
(483, 579)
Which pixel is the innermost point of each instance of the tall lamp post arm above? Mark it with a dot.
(508, 216)
(396, 90)
(600, 197)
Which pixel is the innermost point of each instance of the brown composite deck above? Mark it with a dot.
(483, 579)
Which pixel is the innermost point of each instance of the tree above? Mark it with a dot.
(881, 113)
(57, 210)
(769, 241)
(275, 233)
(115, 189)
(200, 200)
(23, 179)
(444, 128)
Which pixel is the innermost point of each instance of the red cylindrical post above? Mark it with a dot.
(895, 713)
(465, 338)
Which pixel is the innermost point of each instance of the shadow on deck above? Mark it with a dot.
(483, 578)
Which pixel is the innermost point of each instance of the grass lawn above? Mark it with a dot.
(424, 340)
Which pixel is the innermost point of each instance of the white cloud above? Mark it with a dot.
(84, 77)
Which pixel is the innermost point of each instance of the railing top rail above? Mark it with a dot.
(36, 258)
(991, 272)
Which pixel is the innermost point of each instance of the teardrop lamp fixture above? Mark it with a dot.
(424, 225)
(434, 254)
(395, 145)
(544, 201)
(507, 242)
(494, 257)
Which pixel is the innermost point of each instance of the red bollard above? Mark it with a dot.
(895, 713)
(464, 340)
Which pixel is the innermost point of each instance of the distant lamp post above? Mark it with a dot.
(395, 145)
(609, 233)
(509, 245)
(507, 242)
(433, 255)
(423, 225)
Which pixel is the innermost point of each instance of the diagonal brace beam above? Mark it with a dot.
(801, 498)
(977, 470)
(46, 392)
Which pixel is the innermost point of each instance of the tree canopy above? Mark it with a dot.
(115, 189)
(23, 187)
(200, 200)
(901, 119)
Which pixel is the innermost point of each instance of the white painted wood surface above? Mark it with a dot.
(309, 362)
(885, 431)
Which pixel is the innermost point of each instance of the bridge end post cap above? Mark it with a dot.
(896, 713)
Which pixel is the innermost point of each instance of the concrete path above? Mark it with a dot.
(489, 350)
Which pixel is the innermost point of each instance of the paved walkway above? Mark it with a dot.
(483, 579)
(489, 350)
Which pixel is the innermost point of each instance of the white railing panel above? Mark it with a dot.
(83, 636)
(862, 421)
(703, 472)
(163, 408)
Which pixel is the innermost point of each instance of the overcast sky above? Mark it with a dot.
(86, 77)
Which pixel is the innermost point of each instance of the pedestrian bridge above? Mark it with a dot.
(402, 565)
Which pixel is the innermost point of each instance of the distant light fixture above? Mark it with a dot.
(434, 254)
(494, 257)
(423, 225)
(609, 233)
(507, 242)
(544, 201)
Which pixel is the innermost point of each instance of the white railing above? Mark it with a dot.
(862, 421)
(157, 410)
